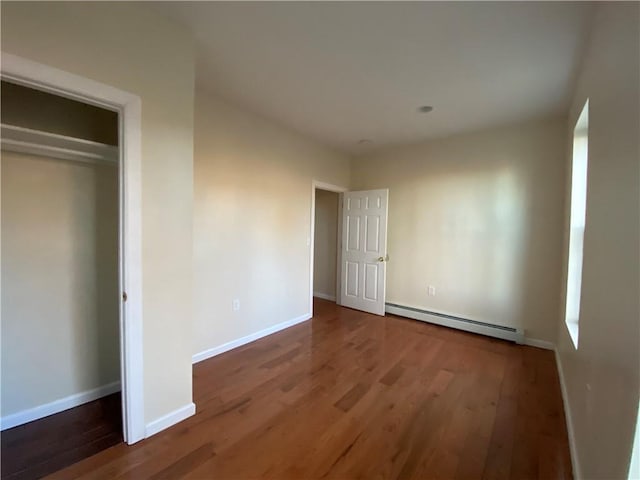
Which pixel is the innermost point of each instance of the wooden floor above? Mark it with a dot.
(44, 446)
(351, 395)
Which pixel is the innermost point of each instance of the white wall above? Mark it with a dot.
(325, 243)
(602, 376)
(60, 278)
(129, 47)
(252, 220)
(479, 217)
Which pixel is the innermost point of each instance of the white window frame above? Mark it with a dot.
(577, 222)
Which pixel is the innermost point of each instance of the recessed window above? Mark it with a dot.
(577, 221)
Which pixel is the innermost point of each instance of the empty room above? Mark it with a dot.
(298, 240)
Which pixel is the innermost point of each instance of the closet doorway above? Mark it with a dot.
(25, 72)
(61, 372)
(326, 233)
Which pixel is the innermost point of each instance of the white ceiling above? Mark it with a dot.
(344, 71)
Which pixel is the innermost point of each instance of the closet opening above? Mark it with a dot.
(325, 247)
(60, 241)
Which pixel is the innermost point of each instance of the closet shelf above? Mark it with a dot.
(37, 142)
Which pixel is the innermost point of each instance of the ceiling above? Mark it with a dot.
(340, 72)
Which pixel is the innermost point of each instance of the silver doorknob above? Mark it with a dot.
(381, 259)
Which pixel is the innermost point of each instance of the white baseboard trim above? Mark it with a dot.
(170, 419)
(325, 296)
(57, 406)
(225, 347)
(577, 474)
(534, 342)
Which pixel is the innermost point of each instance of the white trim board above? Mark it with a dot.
(170, 419)
(535, 342)
(129, 107)
(577, 473)
(325, 296)
(57, 406)
(225, 347)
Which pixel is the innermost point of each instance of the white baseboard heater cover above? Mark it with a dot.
(498, 331)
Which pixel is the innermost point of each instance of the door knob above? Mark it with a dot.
(381, 259)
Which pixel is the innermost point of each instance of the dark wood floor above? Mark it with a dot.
(351, 395)
(44, 446)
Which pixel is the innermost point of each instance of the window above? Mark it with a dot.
(634, 465)
(577, 221)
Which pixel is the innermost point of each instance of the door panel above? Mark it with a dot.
(371, 281)
(364, 250)
(372, 242)
(353, 233)
(351, 281)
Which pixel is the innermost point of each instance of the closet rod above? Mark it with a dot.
(51, 145)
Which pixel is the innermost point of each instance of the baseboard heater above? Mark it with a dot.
(498, 331)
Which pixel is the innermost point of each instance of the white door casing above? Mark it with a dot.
(129, 107)
(318, 185)
(364, 250)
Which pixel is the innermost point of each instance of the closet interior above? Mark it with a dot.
(60, 365)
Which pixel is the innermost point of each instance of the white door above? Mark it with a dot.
(364, 250)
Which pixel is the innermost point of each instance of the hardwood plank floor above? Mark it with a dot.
(44, 446)
(352, 395)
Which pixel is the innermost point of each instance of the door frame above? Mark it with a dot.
(129, 108)
(318, 185)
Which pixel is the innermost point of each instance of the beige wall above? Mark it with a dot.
(60, 278)
(131, 48)
(252, 220)
(602, 376)
(325, 243)
(479, 217)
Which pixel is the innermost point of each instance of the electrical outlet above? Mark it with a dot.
(432, 290)
(236, 305)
